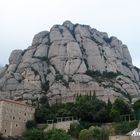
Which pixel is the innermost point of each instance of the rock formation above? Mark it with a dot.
(68, 61)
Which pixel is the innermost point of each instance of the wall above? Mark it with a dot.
(60, 125)
(13, 117)
(120, 138)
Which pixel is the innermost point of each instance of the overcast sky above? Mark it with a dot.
(20, 20)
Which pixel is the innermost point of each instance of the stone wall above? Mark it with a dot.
(13, 117)
(65, 125)
(120, 138)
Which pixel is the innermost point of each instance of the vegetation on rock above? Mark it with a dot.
(87, 108)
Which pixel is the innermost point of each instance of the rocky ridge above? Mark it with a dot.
(69, 61)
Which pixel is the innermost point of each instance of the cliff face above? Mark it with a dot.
(70, 60)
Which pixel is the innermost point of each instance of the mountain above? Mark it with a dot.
(69, 61)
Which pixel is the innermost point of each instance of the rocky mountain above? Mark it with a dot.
(69, 61)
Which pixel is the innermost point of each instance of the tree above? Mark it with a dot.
(115, 115)
(122, 128)
(105, 133)
(30, 124)
(109, 105)
(136, 107)
(57, 134)
(33, 134)
(97, 133)
(44, 101)
(91, 109)
(85, 134)
(42, 115)
(74, 130)
(119, 107)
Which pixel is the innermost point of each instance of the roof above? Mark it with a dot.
(15, 102)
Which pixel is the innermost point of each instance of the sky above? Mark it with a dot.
(20, 20)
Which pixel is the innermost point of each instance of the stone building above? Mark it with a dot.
(13, 117)
(61, 123)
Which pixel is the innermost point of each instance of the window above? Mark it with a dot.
(16, 125)
(13, 118)
(5, 130)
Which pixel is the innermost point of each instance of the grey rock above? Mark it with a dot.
(82, 31)
(12, 68)
(94, 58)
(72, 66)
(82, 78)
(126, 55)
(42, 51)
(15, 56)
(40, 38)
(28, 53)
(58, 33)
(11, 84)
(115, 42)
(69, 25)
(2, 71)
(62, 64)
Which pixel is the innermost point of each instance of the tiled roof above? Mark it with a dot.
(15, 102)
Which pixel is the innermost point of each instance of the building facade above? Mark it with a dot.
(13, 117)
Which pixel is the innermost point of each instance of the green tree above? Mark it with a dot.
(74, 130)
(109, 105)
(136, 107)
(119, 107)
(91, 109)
(105, 133)
(115, 114)
(30, 124)
(96, 132)
(33, 134)
(122, 128)
(43, 114)
(44, 101)
(85, 134)
(57, 134)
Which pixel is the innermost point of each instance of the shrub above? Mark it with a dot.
(136, 106)
(74, 130)
(33, 134)
(57, 134)
(30, 124)
(124, 127)
(85, 134)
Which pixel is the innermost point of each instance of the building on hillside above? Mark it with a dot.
(61, 123)
(13, 117)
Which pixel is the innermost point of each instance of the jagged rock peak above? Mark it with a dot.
(70, 59)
